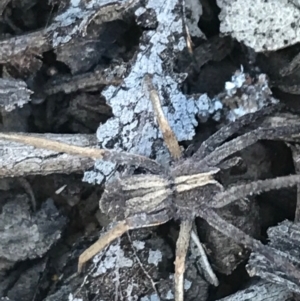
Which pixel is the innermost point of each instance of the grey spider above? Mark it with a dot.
(188, 189)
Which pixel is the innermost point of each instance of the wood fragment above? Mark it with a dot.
(13, 93)
(3, 5)
(296, 158)
(72, 21)
(285, 242)
(35, 42)
(19, 231)
(22, 160)
(89, 81)
(261, 291)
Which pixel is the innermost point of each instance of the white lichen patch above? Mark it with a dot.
(169, 295)
(129, 292)
(193, 12)
(133, 124)
(13, 93)
(153, 297)
(155, 257)
(138, 245)
(237, 81)
(104, 169)
(114, 257)
(128, 266)
(133, 127)
(244, 95)
(260, 24)
(187, 284)
(72, 298)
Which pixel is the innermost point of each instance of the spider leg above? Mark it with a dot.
(168, 134)
(217, 222)
(133, 222)
(182, 246)
(228, 130)
(101, 243)
(239, 143)
(229, 163)
(95, 153)
(279, 258)
(237, 192)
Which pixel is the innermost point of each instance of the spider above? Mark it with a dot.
(188, 189)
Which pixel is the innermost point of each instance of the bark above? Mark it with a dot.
(261, 291)
(13, 93)
(26, 234)
(21, 160)
(70, 23)
(284, 238)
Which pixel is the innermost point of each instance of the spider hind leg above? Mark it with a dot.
(130, 223)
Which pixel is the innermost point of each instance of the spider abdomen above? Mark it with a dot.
(136, 194)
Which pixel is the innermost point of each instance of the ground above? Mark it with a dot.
(75, 71)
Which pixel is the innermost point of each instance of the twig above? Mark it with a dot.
(141, 265)
(203, 261)
(86, 81)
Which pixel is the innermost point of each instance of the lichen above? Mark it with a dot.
(114, 257)
(261, 25)
(155, 257)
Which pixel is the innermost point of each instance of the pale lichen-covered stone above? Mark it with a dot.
(262, 25)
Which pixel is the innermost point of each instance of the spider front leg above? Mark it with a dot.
(130, 223)
(212, 153)
(239, 143)
(182, 246)
(95, 153)
(168, 134)
(230, 129)
(238, 192)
